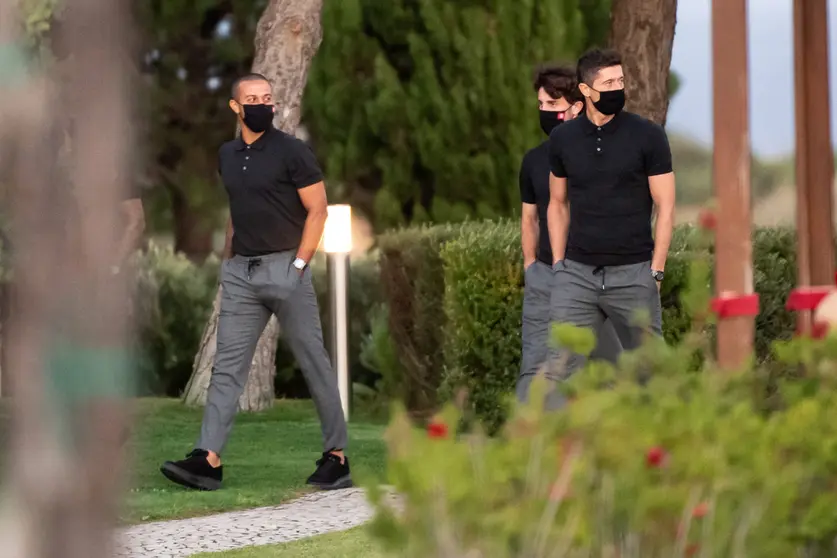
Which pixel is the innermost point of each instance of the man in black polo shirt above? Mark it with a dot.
(278, 209)
(559, 100)
(609, 169)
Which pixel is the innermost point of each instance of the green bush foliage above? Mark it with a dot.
(650, 459)
(173, 302)
(483, 297)
(455, 318)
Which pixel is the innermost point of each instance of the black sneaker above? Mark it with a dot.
(331, 474)
(194, 471)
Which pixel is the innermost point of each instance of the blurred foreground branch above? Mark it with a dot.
(68, 328)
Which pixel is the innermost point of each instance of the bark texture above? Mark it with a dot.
(643, 32)
(287, 38)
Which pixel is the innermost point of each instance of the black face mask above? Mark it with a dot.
(550, 119)
(610, 102)
(258, 118)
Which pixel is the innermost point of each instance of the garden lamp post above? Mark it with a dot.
(337, 243)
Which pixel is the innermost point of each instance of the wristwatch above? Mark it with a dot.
(657, 275)
(300, 264)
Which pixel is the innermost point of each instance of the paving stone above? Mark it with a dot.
(315, 514)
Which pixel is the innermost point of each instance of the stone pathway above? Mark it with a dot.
(315, 514)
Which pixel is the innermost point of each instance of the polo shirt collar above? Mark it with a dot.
(258, 144)
(608, 128)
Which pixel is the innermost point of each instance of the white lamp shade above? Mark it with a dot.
(338, 230)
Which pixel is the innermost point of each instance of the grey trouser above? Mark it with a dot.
(586, 295)
(251, 290)
(539, 285)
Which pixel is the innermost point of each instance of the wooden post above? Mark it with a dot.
(814, 158)
(731, 168)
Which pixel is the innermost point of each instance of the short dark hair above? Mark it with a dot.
(594, 60)
(558, 81)
(246, 77)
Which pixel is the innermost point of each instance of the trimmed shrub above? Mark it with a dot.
(483, 304)
(483, 300)
(455, 297)
(412, 279)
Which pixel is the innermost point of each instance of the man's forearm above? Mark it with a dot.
(557, 223)
(529, 240)
(311, 234)
(662, 238)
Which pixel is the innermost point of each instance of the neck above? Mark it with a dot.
(248, 135)
(596, 117)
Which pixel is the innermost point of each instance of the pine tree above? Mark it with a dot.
(422, 109)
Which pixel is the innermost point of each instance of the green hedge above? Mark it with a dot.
(412, 282)
(475, 341)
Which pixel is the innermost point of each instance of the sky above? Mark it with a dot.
(771, 74)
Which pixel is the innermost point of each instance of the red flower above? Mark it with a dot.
(655, 457)
(437, 430)
(700, 510)
(707, 220)
(692, 549)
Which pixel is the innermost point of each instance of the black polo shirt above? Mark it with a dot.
(607, 170)
(262, 180)
(534, 189)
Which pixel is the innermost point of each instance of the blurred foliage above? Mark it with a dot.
(37, 17)
(649, 459)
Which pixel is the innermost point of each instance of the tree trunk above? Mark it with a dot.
(287, 38)
(643, 33)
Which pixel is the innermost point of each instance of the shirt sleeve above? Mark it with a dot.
(657, 154)
(527, 189)
(556, 159)
(303, 166)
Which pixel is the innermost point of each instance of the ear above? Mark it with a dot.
(585, 90)
(234, 106)
(577, 108)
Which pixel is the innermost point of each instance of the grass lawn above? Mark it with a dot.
(355, 543)
(266, 462)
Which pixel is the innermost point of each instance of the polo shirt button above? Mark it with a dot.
(597, 149)
(598, 139)
(599, 129)
(245, 168)
(248, 147)
(247, 158)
